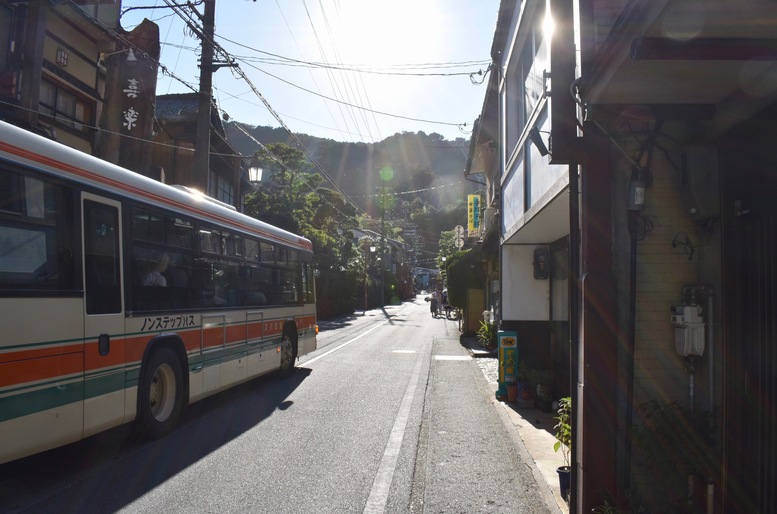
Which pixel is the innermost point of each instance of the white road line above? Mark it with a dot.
(452, 358)
(333, 350)
(376, 502)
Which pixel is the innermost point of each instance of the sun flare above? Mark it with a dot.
(386, 33)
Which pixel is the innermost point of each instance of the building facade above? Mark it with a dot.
(69, 71)
(634, 173)
(50, 78)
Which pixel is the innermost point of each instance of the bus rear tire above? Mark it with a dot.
(288, 354)
(160, 394)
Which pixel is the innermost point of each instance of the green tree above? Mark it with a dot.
(294, 199)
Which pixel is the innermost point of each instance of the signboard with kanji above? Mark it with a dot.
(473, 215)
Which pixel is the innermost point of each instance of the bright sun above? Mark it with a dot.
(386, 32)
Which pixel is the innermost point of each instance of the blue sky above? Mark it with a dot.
(348, 70)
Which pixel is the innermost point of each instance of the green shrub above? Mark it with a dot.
(487, 335)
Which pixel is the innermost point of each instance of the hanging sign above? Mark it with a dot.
(473, 215)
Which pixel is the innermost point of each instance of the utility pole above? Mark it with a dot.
(383, 246)
(386, 174)
(202, 142)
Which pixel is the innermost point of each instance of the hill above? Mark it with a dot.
(425, 165)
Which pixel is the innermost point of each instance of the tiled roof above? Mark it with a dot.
(183, 107)
(178, 107)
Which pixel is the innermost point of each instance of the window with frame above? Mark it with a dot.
(65, 107)
(221, 189)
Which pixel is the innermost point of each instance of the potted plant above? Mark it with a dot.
(487, 335)
(564, 443)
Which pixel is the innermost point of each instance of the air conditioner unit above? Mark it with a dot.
(489, 217)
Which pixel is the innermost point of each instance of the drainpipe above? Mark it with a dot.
(574, 322)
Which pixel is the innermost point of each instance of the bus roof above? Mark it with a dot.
(22, 146)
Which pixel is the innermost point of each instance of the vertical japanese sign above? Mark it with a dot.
(135, 90)
(473, 215)
(134, 102)
(130, 90)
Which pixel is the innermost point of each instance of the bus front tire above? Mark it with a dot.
(160, 394)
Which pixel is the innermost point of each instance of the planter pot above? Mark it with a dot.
(524, 390)
(512, 393)
(564, 480)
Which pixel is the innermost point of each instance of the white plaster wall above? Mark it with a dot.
(523, 297)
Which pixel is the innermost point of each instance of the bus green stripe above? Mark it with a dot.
(35, 398)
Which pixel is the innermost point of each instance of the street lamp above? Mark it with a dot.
(255, 173)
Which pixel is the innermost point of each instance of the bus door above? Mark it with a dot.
(104, 353)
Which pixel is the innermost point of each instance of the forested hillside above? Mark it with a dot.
(426, 166)
(412, 207)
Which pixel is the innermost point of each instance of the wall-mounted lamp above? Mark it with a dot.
(131, 59)
(62, 57)
(536, 138)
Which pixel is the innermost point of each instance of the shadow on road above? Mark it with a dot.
(111, 470)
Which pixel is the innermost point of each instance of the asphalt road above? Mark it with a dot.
(390, 414)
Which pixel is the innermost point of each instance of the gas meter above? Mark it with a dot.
(688, 330)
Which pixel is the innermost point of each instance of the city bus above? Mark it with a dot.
(123, 299)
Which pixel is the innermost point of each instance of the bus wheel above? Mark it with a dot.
(288, 354)
(160, 394)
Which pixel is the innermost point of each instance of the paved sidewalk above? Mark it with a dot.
(471, 456)
(534, 426)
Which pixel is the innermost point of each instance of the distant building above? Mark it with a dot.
(175, 132)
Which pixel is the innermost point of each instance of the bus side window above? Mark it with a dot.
(36, 234)
(101, 258)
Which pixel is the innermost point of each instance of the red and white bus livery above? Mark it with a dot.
(124, 299)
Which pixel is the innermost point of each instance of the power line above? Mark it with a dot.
(360, 68)
(460, 125)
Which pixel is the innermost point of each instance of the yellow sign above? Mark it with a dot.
(473, 215)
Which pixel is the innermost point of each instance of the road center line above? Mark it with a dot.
(376, 502)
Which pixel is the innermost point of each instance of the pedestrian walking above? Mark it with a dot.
(445, 305)
(437, 296)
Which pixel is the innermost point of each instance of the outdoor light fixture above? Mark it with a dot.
(62, 57)
(131, 59)
(536, 138)
(255, 173)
